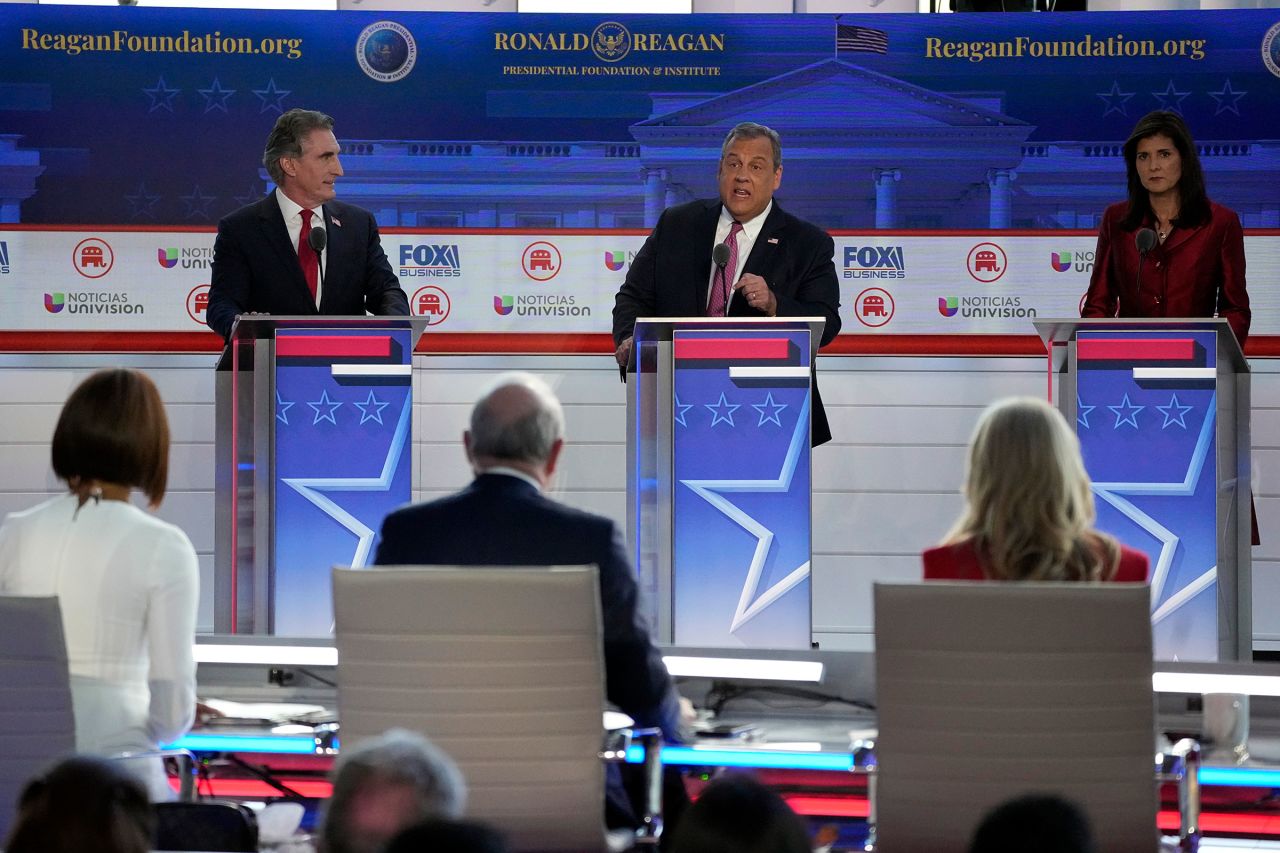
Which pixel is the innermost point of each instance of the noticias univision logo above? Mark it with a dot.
(168, 258)
(948, 306)
(503, 305)
(1060, 261)
(54, 302)
(615, 261)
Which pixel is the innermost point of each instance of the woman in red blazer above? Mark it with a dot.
(1168, 251)
(1030, 512)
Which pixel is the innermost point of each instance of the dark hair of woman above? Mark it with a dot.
(1193, 207)
(83, 803)
(113, 429)
(738, 814)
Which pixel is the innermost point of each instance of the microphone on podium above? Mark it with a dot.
(317, 240)
(1145, 240)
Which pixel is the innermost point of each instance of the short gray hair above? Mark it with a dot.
(395, 757)
(525, 432)
(751, 130)
(285, 139)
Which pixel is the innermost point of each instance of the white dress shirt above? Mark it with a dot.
(128, 585)
(292, 212)
(746, 240)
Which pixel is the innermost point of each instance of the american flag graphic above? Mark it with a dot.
(852, 39)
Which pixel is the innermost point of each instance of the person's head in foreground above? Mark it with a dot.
(1029, 507)
(112, 436)
(1034, 823)
(517, 423)
(738, 814)
(384, 784)
(83, 803)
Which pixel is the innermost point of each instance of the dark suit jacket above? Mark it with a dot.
(255, 268)
(961, 562)
(504, 521)
(1196, 272)
(670, 274)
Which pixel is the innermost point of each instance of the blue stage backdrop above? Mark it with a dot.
(152, 116)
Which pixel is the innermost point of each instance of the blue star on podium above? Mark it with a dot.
(722, 411)
(324, 403)
(1174, 413)
(774, 409)
(749, 603)
(1126, 413)
(1082, 412)
(282, 413)
(371, 409)
(681, 409)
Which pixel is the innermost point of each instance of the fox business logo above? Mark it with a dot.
(874, 262)
(4, 258)
(430, 260)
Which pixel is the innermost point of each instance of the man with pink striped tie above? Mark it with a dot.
(739, 255)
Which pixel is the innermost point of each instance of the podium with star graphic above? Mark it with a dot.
(1161, 408)
(718, 478)
(313, 449)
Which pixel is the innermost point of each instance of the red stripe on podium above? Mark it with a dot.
(1136, 349)
(333, 346)
(755, 349)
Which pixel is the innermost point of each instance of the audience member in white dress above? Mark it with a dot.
(127, 582)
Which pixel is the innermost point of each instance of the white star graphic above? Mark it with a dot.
(1174, 413)
(311, 488)
(1126, 413)
(324, 402)
(774, 409)
(749, 606)
(719, 413)
(371, 409)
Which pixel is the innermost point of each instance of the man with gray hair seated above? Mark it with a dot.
(504, 519)
(383, 785)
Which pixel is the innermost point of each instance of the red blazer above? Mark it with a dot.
(960, 562)
(1196, 272)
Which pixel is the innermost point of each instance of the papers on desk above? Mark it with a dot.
(266, 713)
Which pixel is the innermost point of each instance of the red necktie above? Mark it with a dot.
(307, 255)
(726, 277)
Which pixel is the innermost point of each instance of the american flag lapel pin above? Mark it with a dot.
(337, 223)
(773, 240)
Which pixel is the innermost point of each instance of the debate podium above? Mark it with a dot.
(718, 478)
(1161, 408)
(313, 448)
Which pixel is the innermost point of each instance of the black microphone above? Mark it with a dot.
(720, 255)
(1145, 240)
(317, 240)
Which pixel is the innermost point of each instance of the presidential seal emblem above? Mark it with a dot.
(610, 41)
(386, 51)
(1271, 50)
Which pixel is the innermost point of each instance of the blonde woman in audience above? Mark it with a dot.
(126, 581)
(1030, 510)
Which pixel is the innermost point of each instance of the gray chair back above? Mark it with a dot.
(986, 691)
(502, 668)
(37, 723)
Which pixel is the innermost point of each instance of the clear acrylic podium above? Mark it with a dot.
(313, 448)
(1161, 408)
(718, 478)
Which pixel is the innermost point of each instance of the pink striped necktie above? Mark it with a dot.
(725, 278)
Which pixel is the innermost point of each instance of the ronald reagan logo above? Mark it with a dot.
(92, 257)
(198, 304)
(191, 258)
(91, 303)
(874, 262)
(873, 307)
(987, 262)
(541, 261)
(610, 42)
(540, 305)
(430, 302)
(430, 260)
(386, 51)
(983, 307)
(1271, 50)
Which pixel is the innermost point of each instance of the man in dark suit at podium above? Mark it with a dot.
(739, 255)
(298, 251)
(504, 519)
